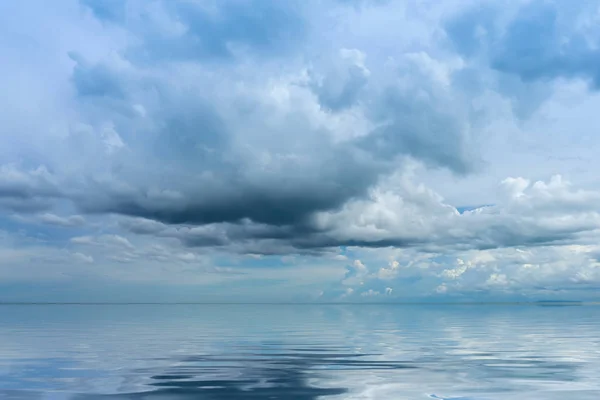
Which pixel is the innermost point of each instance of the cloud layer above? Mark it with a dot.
(223, 137)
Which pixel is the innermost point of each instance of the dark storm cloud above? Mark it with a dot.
(458, 232)
(274, 200)
(194, 158)
(249, 237)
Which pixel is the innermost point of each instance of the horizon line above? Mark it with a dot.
(466, 303)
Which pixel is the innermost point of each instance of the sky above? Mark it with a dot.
(299, 151)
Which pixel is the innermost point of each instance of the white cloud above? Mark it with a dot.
(407, 215)
(370, 293)
(441, 289)
(497, 280)
(390, 272)
(537, 272)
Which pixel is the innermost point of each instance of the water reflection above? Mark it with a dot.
(299, 352)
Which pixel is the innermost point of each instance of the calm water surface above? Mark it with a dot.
(299, 352)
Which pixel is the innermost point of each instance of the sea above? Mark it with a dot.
(300, 352)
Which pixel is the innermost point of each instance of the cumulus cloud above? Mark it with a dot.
(236, 144)
(370, 293)
(302, 168)
(400, 213)
(551, 271)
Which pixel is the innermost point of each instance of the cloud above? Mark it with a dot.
(402, 214)
(246, 176)
(527, 45)
(209, 134)
(370, 293)
(190, 31)
(143, 226)
(250, 149)
(109, 10)
(83, 258)
(24, 184)
(103, 240)
(416, 217)
(27, 191)
(525, 273)
(71, 221)
(544, 41)
(342, 86)
(30, 205)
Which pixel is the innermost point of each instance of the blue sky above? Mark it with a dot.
(331, 150)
